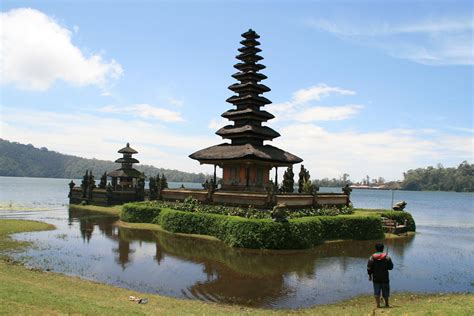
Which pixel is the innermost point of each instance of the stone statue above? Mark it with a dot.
(71, 186)
(303, 178)
(271, 193)
(280, 213)
(85, 184)
(141, 187)
(153, 189)
(90, 185)
(399, 206)
(347, 190)
(103, 181)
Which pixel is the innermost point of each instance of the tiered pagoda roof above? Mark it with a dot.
(127, 162)
(247, 133)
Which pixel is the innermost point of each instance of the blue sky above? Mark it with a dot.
(357, 87)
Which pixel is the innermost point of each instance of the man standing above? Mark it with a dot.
(377, 268)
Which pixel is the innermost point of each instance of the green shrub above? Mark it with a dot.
(193, 205)
(400, 217)
(139, 212)
(351, 227)
(246, 233)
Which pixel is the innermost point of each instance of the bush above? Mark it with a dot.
(139, 212)
(400, 217)
(237, 231)
(192, 205)
(351, 227)
(247, 233)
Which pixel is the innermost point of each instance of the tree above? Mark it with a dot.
(303, 177)
(288, 181)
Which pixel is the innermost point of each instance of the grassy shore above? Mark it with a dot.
(25, 291)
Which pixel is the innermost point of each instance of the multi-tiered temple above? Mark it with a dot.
(246, 161)
(126, 176)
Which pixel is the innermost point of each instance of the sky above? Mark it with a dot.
(363, 88)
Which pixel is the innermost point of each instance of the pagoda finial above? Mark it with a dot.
(128, 144)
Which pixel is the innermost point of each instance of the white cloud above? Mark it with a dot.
(463, 129)
(385, 153)
(335, 113)
(36, 51)
(442, 41)
(317, 92)
(89, 135)
(145, 111)
(299, 107)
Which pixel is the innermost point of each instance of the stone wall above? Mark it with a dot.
(257, 199)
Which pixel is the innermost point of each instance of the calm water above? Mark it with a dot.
(439, 258)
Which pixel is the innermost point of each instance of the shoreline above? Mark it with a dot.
(48, 293)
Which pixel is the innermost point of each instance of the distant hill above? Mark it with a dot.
(19, 160)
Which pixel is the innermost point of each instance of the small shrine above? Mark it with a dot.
(126, 184)
(246, 161)
(126, 176)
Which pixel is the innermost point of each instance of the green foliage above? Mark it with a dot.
(400, 217)
(236, 231)
(288, 181)
(18, 160)
(326, 211)
(245, 233)
(139, 212)
(303, 177)
(351, 227)
(192, 205)
(460, 179)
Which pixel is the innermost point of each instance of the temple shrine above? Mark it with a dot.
(246, 161)
(126, 176)
(126, 184)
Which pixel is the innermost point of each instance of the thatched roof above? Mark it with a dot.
(248, 151)
(249, 113)
(248, 130)
(127, 160)
(131, 173)
(127, 150)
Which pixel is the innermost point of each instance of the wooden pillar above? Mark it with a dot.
(215, 177)
(247, 175)
(276, 177)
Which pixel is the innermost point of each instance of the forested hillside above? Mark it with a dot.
(460, 179)
(18, 160)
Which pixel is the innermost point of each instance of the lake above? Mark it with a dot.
(439, 258)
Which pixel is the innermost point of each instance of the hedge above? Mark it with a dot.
(139, 213)
(351, 227)
(400, 217)
(246, 233)
(242, 232)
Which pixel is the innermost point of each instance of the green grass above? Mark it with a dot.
(24, 291)
(111, 210)
(10, 226)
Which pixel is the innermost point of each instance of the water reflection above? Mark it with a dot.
(249, 277)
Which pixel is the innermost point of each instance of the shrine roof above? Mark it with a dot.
(122, 172)
(227, 151)
(127, 150)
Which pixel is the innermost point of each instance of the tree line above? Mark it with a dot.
(19, 160)
(439, 178)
